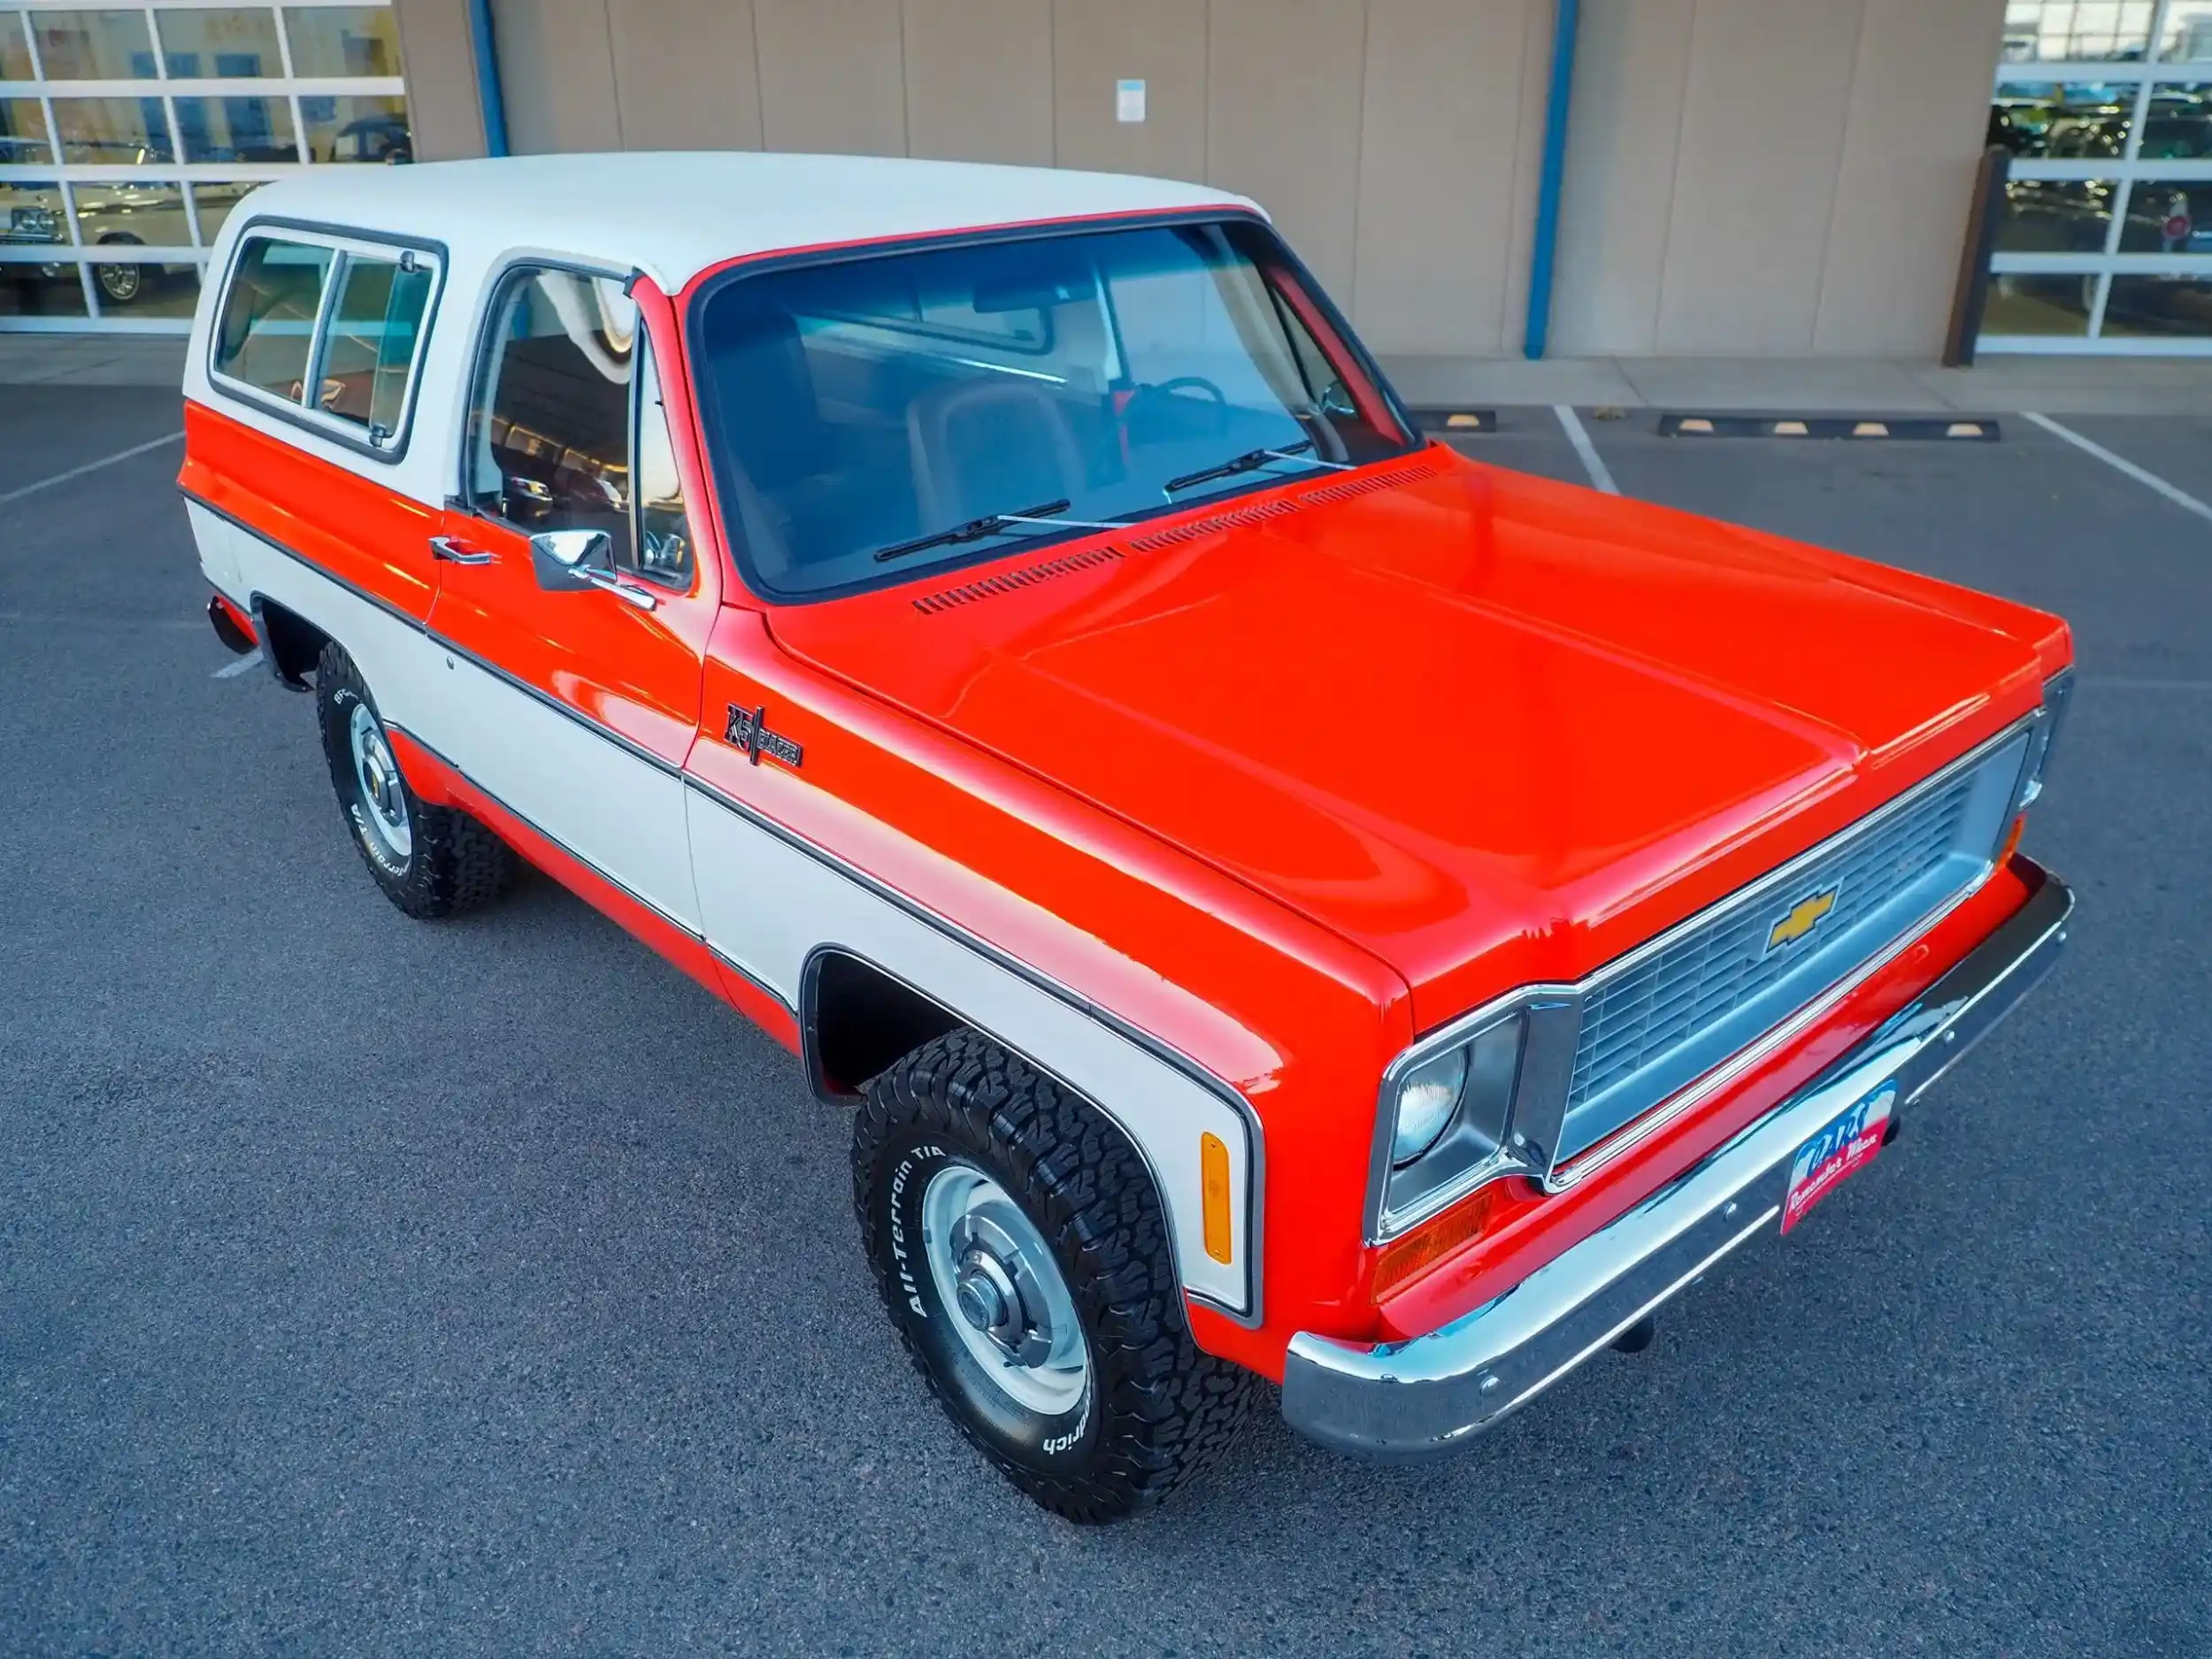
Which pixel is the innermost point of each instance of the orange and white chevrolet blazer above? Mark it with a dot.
(1279, 898)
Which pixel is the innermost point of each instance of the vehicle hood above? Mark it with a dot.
(1491, 728)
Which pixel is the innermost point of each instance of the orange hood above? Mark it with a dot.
(1490, 728)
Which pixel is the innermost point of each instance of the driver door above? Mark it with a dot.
(572, 600)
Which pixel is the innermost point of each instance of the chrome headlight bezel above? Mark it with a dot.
(1519, 1052)
(2058, 697)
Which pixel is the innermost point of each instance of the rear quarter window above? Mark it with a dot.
(327, 331)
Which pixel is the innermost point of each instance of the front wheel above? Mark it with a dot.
(1020, 1249)
(430, 861)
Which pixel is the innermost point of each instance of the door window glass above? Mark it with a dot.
(23, 132)
(268, 322)
(94, 45)
(236, 129)
(663, 529)
(148, 211)
(356, 129)
(113, 132)
(15, 48)
(332, 41)
(376, 321)
(210, 45)
(548, 428)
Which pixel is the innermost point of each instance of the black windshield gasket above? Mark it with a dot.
(739, 562)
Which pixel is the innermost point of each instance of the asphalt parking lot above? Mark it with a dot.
(484, 1287)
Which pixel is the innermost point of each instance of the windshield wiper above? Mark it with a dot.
(994, 523)
(1251, 461)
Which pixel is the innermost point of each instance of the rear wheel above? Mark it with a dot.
(119, 284)
(1021, 1251)
(430, 861)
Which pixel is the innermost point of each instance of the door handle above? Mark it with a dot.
(453, 552)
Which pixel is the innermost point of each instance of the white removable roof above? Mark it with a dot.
(673, 214)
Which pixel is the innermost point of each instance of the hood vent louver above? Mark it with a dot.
(1236, 518)
(1242, 517)
(1014, 581)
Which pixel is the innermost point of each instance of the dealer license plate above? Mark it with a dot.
(1847, 1144)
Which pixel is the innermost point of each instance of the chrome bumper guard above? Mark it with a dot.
(1433, 1393)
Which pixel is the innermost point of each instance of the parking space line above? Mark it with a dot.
(231, 671)
(1571, 423)
(89, 467)
(2120, 464)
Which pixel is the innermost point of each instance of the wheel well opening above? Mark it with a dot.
(857, 1020)
(293, 642)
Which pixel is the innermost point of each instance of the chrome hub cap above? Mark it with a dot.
(382, 791)
(993, 1267)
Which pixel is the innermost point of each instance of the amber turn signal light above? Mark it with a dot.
(1213, 1165)
(1426, 1245)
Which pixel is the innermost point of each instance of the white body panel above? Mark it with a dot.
(762, 904)
(621, 815)
(768, 906)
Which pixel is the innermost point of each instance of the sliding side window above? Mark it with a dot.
(328, 333)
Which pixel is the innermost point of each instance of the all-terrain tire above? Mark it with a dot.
(453, 863)
(1156, 1409)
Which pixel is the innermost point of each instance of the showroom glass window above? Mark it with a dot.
(2106, 241)
(127, 134)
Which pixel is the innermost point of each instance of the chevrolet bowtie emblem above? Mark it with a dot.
(748, 730)
(1802, 918)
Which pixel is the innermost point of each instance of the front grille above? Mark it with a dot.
(1666, 1014)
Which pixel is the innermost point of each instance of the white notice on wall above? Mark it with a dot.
(1129, 100)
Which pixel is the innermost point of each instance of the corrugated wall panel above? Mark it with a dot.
(832, 75)
(1283, 100)
(660, 54)
(1745, 177)
(1440, 179)
(978, 80)
(1161, 43)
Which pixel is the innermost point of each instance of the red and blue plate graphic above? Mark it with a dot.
(1845, 1147)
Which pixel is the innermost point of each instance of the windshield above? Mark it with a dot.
(877, 417)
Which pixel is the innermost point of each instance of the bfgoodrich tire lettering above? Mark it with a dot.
(430, 861)
(1155, 1408)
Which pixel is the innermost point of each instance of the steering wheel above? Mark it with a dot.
(1168, 387)
(1154, 396)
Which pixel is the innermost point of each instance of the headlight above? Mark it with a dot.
(1446, 1116)
(1427, 1100)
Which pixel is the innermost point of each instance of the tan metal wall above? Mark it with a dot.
(1770, 177)
(1745, 177)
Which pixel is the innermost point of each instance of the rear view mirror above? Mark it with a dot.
(1034, 281)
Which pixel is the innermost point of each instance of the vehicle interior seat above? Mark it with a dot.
(990, 445)
(783, 454)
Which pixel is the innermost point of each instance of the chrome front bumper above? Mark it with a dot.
(1433, 1393)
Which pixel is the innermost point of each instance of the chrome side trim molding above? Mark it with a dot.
(1433, 1393)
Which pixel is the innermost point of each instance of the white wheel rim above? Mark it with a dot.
(383, 795)
(1003, 1293)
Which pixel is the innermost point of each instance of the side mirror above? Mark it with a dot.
(565, 560)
